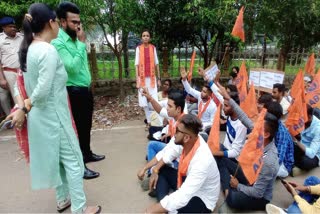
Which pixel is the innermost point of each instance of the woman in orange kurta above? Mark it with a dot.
(147, 72)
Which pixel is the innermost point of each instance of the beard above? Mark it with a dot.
(71, 33)
(178, 142)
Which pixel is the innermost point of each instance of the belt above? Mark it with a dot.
(11, 69)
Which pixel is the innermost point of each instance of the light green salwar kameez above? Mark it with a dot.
(55, 156)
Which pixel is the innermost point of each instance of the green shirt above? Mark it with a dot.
(74, 57)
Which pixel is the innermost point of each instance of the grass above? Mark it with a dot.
(108, 69)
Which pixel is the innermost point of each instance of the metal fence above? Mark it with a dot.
(254, 56)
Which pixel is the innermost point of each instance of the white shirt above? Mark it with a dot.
(208, 115)
(9, 49)
(285, 105)
(235, 137)
(202, 180)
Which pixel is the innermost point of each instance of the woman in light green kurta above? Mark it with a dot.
(55, 156)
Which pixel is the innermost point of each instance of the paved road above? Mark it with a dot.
(117, 189)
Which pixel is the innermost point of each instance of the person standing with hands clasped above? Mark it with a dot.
(55, 156)
(71, 47)
(147, 72)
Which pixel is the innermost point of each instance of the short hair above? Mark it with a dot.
(274, 108)
(192, 123)
(265, 98)
(177, 98)
(169, 81)
(235, 97)
(66, 7)
(271, 124)
(232, 88)
(280, 87)
(235, 67)
(207, 87)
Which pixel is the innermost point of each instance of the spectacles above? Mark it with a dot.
(177, 131)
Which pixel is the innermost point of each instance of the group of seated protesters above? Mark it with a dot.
(186, 177)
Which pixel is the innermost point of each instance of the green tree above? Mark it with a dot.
(296, 23)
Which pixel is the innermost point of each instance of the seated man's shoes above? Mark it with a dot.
(90, 174)
(93, 158)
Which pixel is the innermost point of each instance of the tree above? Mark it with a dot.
(296, 23)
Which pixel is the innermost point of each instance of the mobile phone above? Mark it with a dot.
(5, 124)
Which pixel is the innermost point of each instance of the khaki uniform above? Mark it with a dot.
(9, 58)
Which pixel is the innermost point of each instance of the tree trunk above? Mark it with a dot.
(125, 52)
(120, 77)
(282, 59)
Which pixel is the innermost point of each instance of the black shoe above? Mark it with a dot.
(90, 174)
(153, 193)
(93, 158)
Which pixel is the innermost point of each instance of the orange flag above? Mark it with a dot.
(297, 92)
(249, 105)
(241, 82)
(214, 136)
(296, 116)
(250, 158)
(310, 65)
(313, 94)
(191, 66)
(238, 30)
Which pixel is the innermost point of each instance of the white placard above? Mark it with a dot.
(278, 78)
(212, 72)
(255, 78)
(266, 79)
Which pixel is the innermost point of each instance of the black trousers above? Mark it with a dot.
(195, 205)
(302, 161)
(167, 181)
(81, 100)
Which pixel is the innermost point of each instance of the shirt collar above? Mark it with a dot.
(64, 35)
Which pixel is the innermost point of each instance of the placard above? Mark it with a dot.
(211, 72)
(264, 79)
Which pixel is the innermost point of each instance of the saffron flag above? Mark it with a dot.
(191, 65)
(313, 93)
(249, 105)
(310, 65)
(241, 82)
(297, 91)
(214, 136)
(238, 28)
(296, 116)
(250, 158)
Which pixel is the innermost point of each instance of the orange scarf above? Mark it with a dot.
(201, 111)
(185, 161)
(172, 126)
(141, 73)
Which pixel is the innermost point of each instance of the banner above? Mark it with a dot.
(214, 136)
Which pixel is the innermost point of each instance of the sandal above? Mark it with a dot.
(90, 210)
(63, 205)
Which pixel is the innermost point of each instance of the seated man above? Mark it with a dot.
(198, 176)
(206, 106)
(173, 112)
(239, 194)
(263, 100)
(307, 151)
(306, 200)
(278, 93)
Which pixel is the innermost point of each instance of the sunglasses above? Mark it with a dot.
(177, 131)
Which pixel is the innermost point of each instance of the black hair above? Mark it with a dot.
(192, 123)
(271, 124)
(309, 110)
(38, 16)
(265, 99)
(233, 75)
(274, 108)
(281, 87)
(235, 97)
(146, 30)
(232, 88)
(235, 67)
(207, 87)
(66, 7)
(177, 97)
(169, 81)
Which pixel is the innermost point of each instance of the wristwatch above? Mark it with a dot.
(24, 109)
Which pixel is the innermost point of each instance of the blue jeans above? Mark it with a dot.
(153, 148)
(310, 181)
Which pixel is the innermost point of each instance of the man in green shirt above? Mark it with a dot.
(71, 47)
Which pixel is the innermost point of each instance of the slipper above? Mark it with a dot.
(63, 205)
